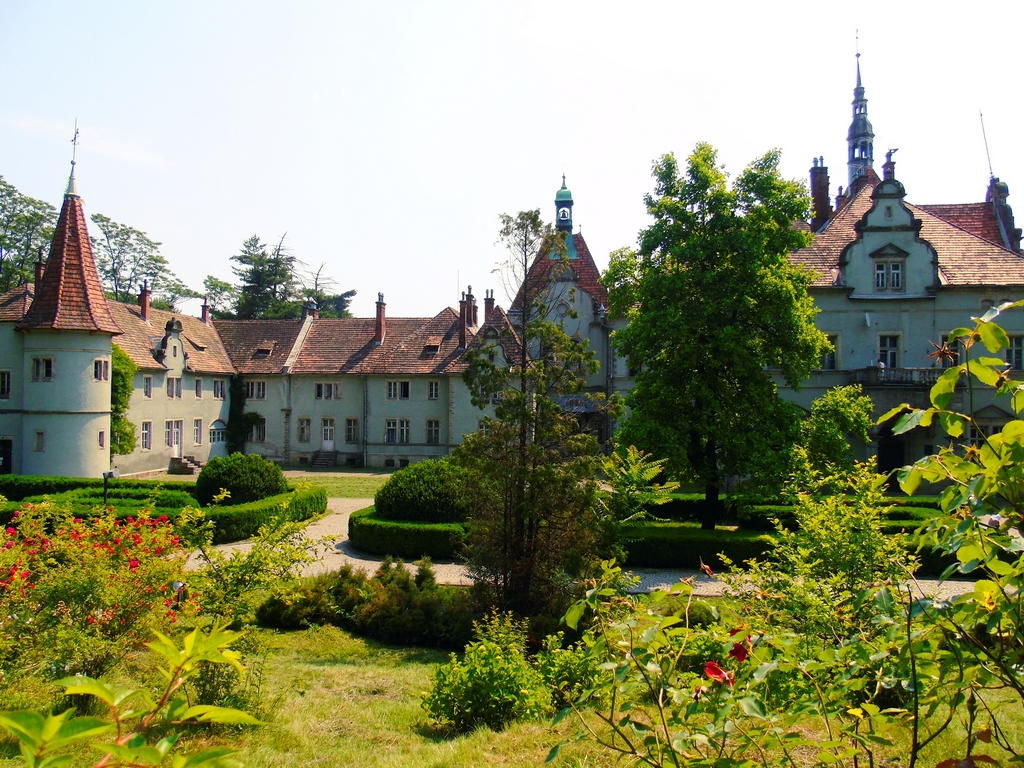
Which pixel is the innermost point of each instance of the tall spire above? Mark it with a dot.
(563, 219)
(860, 137)
(72, 190)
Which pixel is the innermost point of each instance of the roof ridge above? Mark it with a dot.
(967, 232)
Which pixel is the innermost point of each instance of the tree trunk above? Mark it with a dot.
(712, 506)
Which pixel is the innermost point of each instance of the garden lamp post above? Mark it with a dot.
(112, 474)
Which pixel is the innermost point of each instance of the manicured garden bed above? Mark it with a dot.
(404, 538)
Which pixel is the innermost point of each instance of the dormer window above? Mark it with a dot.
(261, 353)
(890, 263)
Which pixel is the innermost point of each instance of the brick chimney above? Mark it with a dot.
(488, 303)
(144, 300)
(819, 194)
(471, 311)
(462, 322)
(889, 166)
(380, 328)
(206, 310)
(309, 309)
(40, 266)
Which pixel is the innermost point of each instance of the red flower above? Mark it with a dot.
(12, 531)
(739, 652)
(707, 569)
(133, 563)
(715, 672)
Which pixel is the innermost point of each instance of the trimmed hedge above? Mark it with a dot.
(405, 539)
(432, 491)
(759, 518)
(675, 545)
(248, 477)
(18, 487)
(241, 521)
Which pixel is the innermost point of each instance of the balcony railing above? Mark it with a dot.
(899, 377)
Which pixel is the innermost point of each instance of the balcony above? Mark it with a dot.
(896, 377)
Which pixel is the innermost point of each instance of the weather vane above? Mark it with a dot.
(74, 143)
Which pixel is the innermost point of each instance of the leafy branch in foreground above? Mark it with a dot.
(44, 740)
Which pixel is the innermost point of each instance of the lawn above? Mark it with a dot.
(344, 486)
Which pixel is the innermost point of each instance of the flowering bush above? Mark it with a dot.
(75, 595)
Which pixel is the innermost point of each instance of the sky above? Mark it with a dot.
(385, 138)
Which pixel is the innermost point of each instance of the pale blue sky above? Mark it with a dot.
(386, 137)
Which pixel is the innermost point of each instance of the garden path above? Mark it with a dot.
(335, 551)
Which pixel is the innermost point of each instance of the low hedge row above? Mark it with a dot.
(241, 521)
(403, 538)
(676, 545)
(900, 519)
(18, 487)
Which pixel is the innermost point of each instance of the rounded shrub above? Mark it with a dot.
(432, 491)
(246, 477)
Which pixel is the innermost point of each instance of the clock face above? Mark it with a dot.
(563, 214)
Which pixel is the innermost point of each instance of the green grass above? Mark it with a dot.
(344, 486)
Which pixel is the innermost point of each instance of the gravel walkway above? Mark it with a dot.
(336, 551)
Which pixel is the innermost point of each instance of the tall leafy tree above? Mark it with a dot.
(125, 257)
(221, 296)
(26, 228)
(534, 467)
(268, 281)
(714, 306)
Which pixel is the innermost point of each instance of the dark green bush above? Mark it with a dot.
(393, 606)
(18, 487)
(440, 541)
(759, 518)
(431, 491)
(677, 545)
(240, 521)
(246, 477)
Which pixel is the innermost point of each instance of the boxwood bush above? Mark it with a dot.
(18, 487)
(432, 491)
(403, 538)
(241, 521)
(247, 477)
(678, 545)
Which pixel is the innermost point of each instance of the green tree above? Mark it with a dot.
(840, 412)
(269, 285)
(126, 256)
(713, 304)
(26, 228)
(318, 290)
(122, 373)
(533, 468)
(221, 295)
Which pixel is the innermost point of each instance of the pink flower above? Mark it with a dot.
(133, 563)
(12, 531)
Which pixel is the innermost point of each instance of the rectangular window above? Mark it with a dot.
(39, 441)
(199, 388)
(327, 429)
(954, 350)
(398, 390)
(147, 436)
(896, 276)
(433, 432)
(101, 370)
(42, 369)
(1015, 353)
(888, 275)
(351, 430)
(403, 431)
(219, 388)
(889, 351)
(256, 390)
(880, 281)
(390, 431)
(218, 435)
(169, 434)
(327, 391)
(101, 439)
(147, 386)
(433, 390)
(174, 387)
(259, 432)
(5, 385)
(197, 431)
(482, 427)
(305, 430)
(828, 360)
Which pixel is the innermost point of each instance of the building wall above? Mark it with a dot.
(11, 359)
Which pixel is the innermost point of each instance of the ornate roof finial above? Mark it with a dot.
(72, 189)
(563, 179)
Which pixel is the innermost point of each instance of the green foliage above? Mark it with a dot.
(246, 478)
(240, 421)
(135, 716)
(400, 538)
(76, 594)
(123, 501)
(26, 229)
(492, 685)
(681, 545)
(432, 491)
(268, 281)
(240, 521)
(18, 487)
(713, 306)
(841, 411)
(568, 672)
(393, 606)
(631, 474)
(122, 373)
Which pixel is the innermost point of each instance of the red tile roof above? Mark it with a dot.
(965, 257)
(500, 328)
(204, 352)
(977, 218)
(585, 274)
(15, 303)
(70, 297)
(258, 346)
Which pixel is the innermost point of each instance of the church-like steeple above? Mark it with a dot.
(563, 218)
(860, 137)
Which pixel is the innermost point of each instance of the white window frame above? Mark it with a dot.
(891, 352)
(146, 439)
(197, 431)
(100, 370)
(482, 427)
(256, 390)
(258, 434)
(433, 389)
(327, 429)
(397, 390)
(956, 347)
(830, 360)
(147, 386)
(351, 431)
(219, 389)
(327, 390)
(305, 430)
(890, 275)
(404, 431)
(391, 431)
(173, 387)
(433, 431)
(1015, 353)
(42, 369)
(6, 383)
